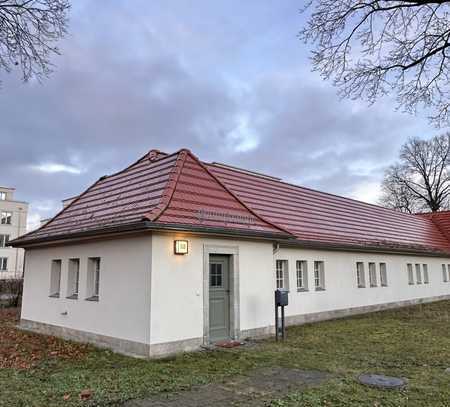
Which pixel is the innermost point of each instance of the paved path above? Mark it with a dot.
(248, 390)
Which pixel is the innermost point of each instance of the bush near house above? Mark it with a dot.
(11, 292)
(414, 342)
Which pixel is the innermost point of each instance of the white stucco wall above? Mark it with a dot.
(149, 295)
(177, 284)
(341, 285)
(123, 309)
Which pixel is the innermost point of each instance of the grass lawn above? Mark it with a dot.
(411, 342)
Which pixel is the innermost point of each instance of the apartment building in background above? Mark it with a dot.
(13, 223)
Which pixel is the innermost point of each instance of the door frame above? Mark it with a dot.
(233, 253)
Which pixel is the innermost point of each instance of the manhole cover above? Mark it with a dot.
(378, 380)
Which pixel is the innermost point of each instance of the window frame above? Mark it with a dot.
(425, 274)
(73, 279)
(360, 275)
(418, 270)
(444, 273)
(93, 278)
(55, 276)
(410, 270)
(4, 240)
(2, 196)
(301, 267)
(372, 266)
(319, 275)
(383, 274)
(282, 266)
(6, 218)
(4, 264)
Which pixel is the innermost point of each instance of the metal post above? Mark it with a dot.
(276, 322)
(283, 334)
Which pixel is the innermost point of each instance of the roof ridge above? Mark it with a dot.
(169, 189)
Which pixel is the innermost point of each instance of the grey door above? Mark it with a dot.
(219, 298)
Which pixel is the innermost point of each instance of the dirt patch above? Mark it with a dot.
(248, 390)
(23, 350)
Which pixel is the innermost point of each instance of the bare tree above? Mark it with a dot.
(28, 32)
(420, 181)
(370, 48)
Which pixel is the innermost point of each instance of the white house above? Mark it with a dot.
(173, 253)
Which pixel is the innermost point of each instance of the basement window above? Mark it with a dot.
(360, 275)
(426, 277)
(55, 278)
(383, 275)
(319, 275)
(73, 281)
(444, 273)
(418, 274)
(302, 275)
(93, 279)
(410, 274)
(282, 274)
(372, 275)
(3, 264)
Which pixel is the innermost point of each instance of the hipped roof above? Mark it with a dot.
(179, 192)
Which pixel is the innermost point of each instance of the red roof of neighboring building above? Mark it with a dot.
(178, 191)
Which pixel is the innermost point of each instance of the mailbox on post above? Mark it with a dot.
(281, 297)
(281, 300)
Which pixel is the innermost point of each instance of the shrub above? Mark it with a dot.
(11, 292)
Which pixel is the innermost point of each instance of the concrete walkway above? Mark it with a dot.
(261, 384)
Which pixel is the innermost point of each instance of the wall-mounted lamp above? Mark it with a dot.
(180, 246)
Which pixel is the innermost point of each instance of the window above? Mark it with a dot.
(448, 269)
(302, 275)
(319, 275)
(282, 274)
(215, 275)
(55, 278)
(93, 278)
(4, 239)
(372, 275)
(3, 264)
(444, 273)
(426, 277)
(418, 274)
(5, 218)
(360, 275)
(410, 274)
(2, 196)
(383, 275)
(73, 279)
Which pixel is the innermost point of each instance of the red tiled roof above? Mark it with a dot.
(321, 217)
(160, 188)
(178, 190)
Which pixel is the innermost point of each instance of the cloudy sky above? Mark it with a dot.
(228, 79)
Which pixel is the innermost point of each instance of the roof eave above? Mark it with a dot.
(143, 226)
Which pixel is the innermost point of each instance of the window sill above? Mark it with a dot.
(361, 286)
(373, 285)
(384, 285)
(93, 298)
(411, 283)
(53, 296)
(302, 290)
(320, 289)
(72, 297)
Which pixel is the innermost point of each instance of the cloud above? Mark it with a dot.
(134, 77)
(54, 167)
